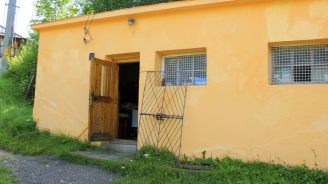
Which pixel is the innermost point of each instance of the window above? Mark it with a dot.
(299, 64)
(184, 70)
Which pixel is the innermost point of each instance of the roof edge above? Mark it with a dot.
(16, 35)
(162, 7)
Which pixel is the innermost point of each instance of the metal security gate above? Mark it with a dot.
(162, 113)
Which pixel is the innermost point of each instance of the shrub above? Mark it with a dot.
(23, 66)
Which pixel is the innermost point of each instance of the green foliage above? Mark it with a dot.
(9, 93)
(23, 66)
(199, 161)
(51, 10)
(6, 176)
(23, 137)
(109, 5)
(224, 171)
(150, 154)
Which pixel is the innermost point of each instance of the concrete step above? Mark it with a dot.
(123, 141)
(123, 148)
(107, 155)
(100, 137)
(117, 150)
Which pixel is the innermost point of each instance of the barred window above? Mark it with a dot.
(185, 70)
(299, 64)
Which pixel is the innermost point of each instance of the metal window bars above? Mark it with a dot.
(187, 70)
(299, 64)
(162, 113)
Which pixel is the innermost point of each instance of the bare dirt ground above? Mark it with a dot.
(45, 170)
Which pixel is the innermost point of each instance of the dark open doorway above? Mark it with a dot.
(128, 96)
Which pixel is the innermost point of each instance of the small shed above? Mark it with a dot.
(240, 78)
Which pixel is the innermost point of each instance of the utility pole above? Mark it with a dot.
(9, 34)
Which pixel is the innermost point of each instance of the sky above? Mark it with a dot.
(23, 15)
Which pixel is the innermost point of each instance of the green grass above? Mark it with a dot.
(19, 134)
(6, 176)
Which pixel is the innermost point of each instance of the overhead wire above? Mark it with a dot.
(86, 29)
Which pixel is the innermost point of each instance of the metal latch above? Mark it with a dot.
(91, 99)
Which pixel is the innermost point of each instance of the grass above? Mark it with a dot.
(6, 176)
(19, 134)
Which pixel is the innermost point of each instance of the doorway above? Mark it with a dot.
(128, 90)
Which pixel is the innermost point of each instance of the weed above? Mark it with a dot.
(149, 154)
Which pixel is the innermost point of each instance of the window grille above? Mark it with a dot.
(299, 64)
(185, 70)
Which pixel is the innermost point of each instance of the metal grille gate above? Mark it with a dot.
(162, 113)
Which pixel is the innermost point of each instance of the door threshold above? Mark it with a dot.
(100, 137)
(123, 141)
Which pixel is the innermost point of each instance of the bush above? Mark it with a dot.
(23, 66)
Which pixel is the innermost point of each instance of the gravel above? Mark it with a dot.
(45, 170)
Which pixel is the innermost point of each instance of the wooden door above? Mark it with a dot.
(103, 100)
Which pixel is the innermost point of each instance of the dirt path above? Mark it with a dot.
(45, 170)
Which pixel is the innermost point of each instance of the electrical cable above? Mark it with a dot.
(86, 29)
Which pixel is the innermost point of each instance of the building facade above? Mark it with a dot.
(256, 75)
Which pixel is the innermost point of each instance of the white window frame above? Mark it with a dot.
(188, 54)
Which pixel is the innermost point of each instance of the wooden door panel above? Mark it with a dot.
(102, 102)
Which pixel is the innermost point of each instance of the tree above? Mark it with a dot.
(109, 5)
(51, 10)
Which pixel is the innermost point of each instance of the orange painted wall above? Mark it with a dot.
(238, 113)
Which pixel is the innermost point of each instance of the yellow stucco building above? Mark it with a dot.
(241, 78)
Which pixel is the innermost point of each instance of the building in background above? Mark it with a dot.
(17, 42)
